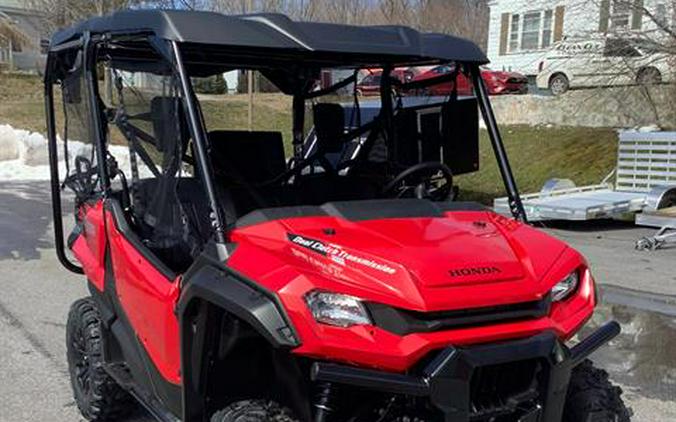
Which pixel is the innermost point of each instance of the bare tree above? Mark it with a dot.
(11, 39)
(61, 13)
(11, 34)
(649, 27)
(467, 18)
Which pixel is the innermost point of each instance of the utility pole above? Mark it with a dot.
(250, 78)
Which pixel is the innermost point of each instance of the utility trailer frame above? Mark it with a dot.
(665, 220)
(645, 180)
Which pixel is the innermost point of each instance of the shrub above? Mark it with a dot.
(215, 84)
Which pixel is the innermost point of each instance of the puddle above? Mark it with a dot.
(643, 356)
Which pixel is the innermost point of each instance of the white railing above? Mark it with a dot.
(645, 160)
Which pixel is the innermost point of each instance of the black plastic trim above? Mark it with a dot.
(74, 234)
(446, 379)
(403, 322)
(251, 304)
(450, 206)
(209, 284)
(371, 379)
(363, 210)
(377, 209)
(265, 215)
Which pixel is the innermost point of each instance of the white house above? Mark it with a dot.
(521, 31)
(29, 55)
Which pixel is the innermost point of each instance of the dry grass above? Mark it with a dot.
(22, 102)
(584, 155)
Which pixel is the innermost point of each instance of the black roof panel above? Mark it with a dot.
(278, 32)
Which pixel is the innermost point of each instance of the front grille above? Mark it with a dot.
(402, 322)
(502, 389)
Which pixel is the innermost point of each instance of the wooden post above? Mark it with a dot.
(11, 55)
(249, 77)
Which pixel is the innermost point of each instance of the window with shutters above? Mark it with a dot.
(531, 31)
(547, 25)
(620, 16)
(661, 17)
(530, 34)
(514, 34)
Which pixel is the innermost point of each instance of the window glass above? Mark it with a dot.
(144, 128)
(78, 135)
(619, 19)
(547, 29)
(661, 15)
(619, 47)
(150, 141)
(514, 34)
(374, 80)
(530, 35)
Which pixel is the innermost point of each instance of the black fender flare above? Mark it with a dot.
(218, 286)
(241, 298)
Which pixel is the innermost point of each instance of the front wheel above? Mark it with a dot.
(649, 76)
(559, 84)
(97, 395)
(254, 411)
(591, 397)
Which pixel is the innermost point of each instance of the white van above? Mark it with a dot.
(606, 61)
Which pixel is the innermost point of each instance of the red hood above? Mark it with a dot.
(466, 259)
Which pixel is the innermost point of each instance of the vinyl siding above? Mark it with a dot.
(580, 18)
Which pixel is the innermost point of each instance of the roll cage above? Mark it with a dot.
(281, 49)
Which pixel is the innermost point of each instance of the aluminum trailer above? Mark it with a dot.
(644, 180)
(665, 220)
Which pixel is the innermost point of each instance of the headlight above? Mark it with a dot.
(337, 309)
(565, 287)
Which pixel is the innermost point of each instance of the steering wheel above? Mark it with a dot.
(424, 180)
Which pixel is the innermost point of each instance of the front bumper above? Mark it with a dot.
(455, 377)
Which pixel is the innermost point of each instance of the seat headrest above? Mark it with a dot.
(169, 124)
(255, 157)
(329, 120)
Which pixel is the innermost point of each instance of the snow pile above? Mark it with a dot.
(24, 155)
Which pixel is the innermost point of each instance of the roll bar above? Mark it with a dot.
(198, 132)
(515, 204)
(54, 174)
(171, 51)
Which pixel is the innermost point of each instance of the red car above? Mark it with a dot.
(500, 82)
(497, 82)
(370, 85)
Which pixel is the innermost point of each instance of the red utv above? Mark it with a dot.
(229, 284)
